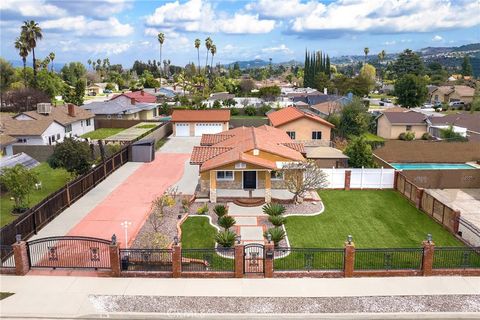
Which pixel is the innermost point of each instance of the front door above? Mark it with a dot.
(249, 179)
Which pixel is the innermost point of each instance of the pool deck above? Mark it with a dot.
(434, 166)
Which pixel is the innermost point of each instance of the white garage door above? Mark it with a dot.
(201, 128)
(182, 129)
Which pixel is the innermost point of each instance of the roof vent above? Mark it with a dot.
(44, 108)
(256, 152)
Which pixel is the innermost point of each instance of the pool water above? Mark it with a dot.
(431, 166)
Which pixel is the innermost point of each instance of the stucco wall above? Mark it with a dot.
(304, 127)
(383, 127)
(388, 131)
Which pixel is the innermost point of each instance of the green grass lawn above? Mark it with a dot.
(372, 137)
(102, 133)
(197, 232)
(52, 180)
(375, 219)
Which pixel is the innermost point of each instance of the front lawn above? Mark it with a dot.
(198, 233)
(372, 137)
(102, 133)
(375, 219)
(52, 180)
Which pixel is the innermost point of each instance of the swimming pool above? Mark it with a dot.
(431, 166)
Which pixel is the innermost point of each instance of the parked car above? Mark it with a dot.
(107, 91)
(456, 104)
(386, 100)
(427, 106)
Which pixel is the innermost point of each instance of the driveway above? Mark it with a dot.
(180, 144)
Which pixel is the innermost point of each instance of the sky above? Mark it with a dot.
(126, 30)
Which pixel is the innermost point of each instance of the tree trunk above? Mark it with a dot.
(206, 62)
(34, 69)
(198, 56)
(24, 72)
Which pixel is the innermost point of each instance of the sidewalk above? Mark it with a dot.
(57, 297)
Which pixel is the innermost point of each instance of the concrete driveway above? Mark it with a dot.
(180, 144)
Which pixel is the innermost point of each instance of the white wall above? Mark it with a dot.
(7, 151)
(23, 117)
(360, 178)
(80, 127)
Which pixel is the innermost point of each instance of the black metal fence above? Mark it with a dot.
(146, 259)
(69, 252)
(389, 259)
(307, 259)
(456, 258)
(211, 260)
(7, 260)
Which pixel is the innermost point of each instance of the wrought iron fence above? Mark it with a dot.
(308, 259)
(7, 256)
(214, 259)
(146, 259)
(456, 258)
(69, 252)
(389, 259)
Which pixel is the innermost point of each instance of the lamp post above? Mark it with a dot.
(349, 239)
(125, 224)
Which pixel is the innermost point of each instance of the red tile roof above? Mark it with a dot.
(289, 114)
(202, 153)
(211, 139)
(139, 96)
(216, 115)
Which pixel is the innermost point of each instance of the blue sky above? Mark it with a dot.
(125, 30)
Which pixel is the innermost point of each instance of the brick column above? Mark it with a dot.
(427, 262)
(239, 265)
(268, 187)
(177, 260)
(115, 263)
(456, 222)
(20, 255)
(418, 198)
(348, 175)
(213, 186)
(269, 260)
(349, 259)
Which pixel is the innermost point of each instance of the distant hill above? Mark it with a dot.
(19, 63)
(259, 63)
(470, 48)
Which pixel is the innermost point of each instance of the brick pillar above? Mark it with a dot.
(456, 220)
(177, 260)
(115, 263)
(269, 255)
(20, 255)
(348, 175)
(427, 262)
(239, 265)
(349, 259)
(418, 198)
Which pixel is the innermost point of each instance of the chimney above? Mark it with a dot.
(132, 101)
(142, 93)
(71, 109)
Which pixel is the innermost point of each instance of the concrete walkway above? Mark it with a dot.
(68, 297)
(247, 222)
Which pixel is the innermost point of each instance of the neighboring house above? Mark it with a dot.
(325, 109)
(187, 123)
(446, 94)
(391, 124)
(245, 161)
(218, 96)
(300, 124)
(327, 157)
(123, 108)
(48, 125)
(99, 88)
(6, 143)
(466, 123)
(139, 96)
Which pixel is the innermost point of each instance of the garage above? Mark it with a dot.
(207, 128)
(182, 129)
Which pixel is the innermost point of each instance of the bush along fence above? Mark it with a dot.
(260, 260)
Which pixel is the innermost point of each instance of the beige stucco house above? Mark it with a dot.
(446, 94)
(391, 124)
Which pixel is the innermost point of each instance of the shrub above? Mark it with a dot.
(264, 109)
(276, 233)
(250, 111)
(407, 136)
(234, 111)
(226, 222)
(185, 204)
(426, 136)
(19, 181)
(277, 221)
(203, 209)
(220, 210)
(273, 209)
(225, 238)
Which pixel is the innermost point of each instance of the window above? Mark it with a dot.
(291, 134)
(119, 116)
(81, 123)
(276, 175)
(317, 135)
(240, 165)
(89, 122)
(109, 117)
(68, 128)
(155, 112)
(58, 136)
(224, 175)
(22, 140)
(409, 128)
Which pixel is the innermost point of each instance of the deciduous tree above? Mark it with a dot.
(302, 177)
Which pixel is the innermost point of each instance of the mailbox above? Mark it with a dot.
(269, 254)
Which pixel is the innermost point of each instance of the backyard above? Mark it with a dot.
(51, 179)
(102, 133)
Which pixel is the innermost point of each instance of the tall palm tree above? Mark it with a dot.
(208, 45)
(366, 51)
(161, 39)
(45, 63)
(89, 61)
(93, 65)
(32, 32)
(197, 46)
(22, 47)
(213, 51)
(381, 57)
(52, 57)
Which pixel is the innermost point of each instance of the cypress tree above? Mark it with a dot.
(328, 66)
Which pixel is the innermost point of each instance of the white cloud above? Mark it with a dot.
(200, 16)
(280, 49)
(82, 26)
(280, 8)
(173, 40)
(390, 43)
(33, 9)
(437, 38)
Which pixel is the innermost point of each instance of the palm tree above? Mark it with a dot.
(89, 61)
(208, 45)
(22, 47)
(197, 46)
(381, 57)
(366, 51)
(93, 65)
(161, 39)
(52, 57)
(213, 50)
(45, 63)
(32, 32)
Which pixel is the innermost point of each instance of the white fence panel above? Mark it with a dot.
(361, 178)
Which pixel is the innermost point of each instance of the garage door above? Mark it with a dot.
(202, 128)
(182, 129)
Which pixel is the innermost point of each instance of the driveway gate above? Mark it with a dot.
(254, 258)
(69, 252)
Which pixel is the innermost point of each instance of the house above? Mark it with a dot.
(6, 143)
(48, 125)
(245, 162)
(446, 94)
(139, 96)
(187, 123)
(326, 157)
(99, 88)
(468, 124)
(391, 124)
(300, 124)
(324, 109)
(124, 108)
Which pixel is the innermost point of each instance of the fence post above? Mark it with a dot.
(456, 221)
(418, 197)
(20, 255)
(427, 261)
(115, 263)
(177, 260)
(269, 256)
(348, 174)
(239, 249)
(395, 180)
(69, 197)
(349, 262)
